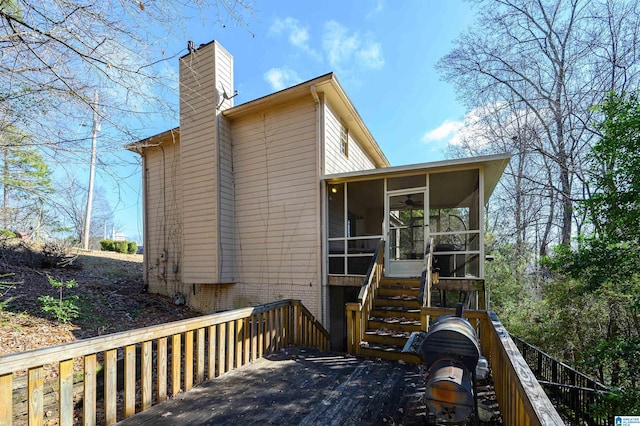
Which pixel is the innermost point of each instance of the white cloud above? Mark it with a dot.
(480, 127)
(297, 34)
(347, 52)
(343, 49)
(371, 56)
(447, 129)
(280, 78)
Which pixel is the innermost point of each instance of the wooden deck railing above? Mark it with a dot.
(119, 374)
(521, 399)
(358, 313)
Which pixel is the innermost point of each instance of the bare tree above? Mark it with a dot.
(54, 54)
(550, 61)
(70, 205)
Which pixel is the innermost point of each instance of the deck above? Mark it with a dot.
(299, 386)
(261, 371)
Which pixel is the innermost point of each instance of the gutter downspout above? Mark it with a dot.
(321, 217)
(145, 222)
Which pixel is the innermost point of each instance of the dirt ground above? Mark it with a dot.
(111, 298)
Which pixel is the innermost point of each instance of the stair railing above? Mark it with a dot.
(358, 312)
(576, 393)
(426, 282)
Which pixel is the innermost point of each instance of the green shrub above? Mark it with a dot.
(121, 246)
(63, 309)
(6, 234)
(132, 247)
(107, 245)
(129, 247)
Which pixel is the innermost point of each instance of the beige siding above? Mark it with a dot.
(335, 160)
(276, 206)
(226, 205)
(163, 247)
(224, 70)
(204, 76)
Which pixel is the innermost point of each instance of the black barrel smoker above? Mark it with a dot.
(450, 352)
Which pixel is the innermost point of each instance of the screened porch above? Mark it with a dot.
(407, 208)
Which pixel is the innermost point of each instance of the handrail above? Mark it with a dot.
(371, 271)
(358, 312)
(521, 399)
(212, 344)
(426, 281)
(577, 392)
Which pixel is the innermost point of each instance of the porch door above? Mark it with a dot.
(406, 233)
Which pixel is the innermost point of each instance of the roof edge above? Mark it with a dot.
(420, 166)
(153, 141)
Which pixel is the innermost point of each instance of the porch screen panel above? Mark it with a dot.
(337, 229)
(454, 222)
(355, 225)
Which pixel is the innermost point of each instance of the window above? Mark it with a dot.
(344, 139)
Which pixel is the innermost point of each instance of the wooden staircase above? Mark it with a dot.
(395, 315)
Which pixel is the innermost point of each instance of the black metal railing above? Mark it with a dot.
(575, 395)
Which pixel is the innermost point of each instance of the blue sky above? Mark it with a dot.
(383, 53)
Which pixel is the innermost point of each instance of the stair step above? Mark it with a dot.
(388, 291)
(395, 315)
(390, 337)
(385, 340)
(395, 312)
(406, 301)
(391, 353)
(388, 332)
(401, 298)
(400, 282)
(395, 323)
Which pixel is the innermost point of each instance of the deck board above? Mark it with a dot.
(297, 386)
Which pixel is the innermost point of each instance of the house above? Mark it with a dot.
(288, 195)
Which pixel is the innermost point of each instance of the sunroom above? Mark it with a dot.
(406, 207)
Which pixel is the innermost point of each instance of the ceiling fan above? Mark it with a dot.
(409, 202)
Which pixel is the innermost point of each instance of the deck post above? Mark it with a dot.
(35, 397)
(188, 360)
(162, 368)
(110, 386)
(65, 386)
(211, 367)
(146, 365)
(176, 352)
(6, 391)
(353, 327)
(222, 342)
(129, 380)
(200, 341)
(89, 397)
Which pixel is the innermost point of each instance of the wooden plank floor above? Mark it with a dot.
(298, 386)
